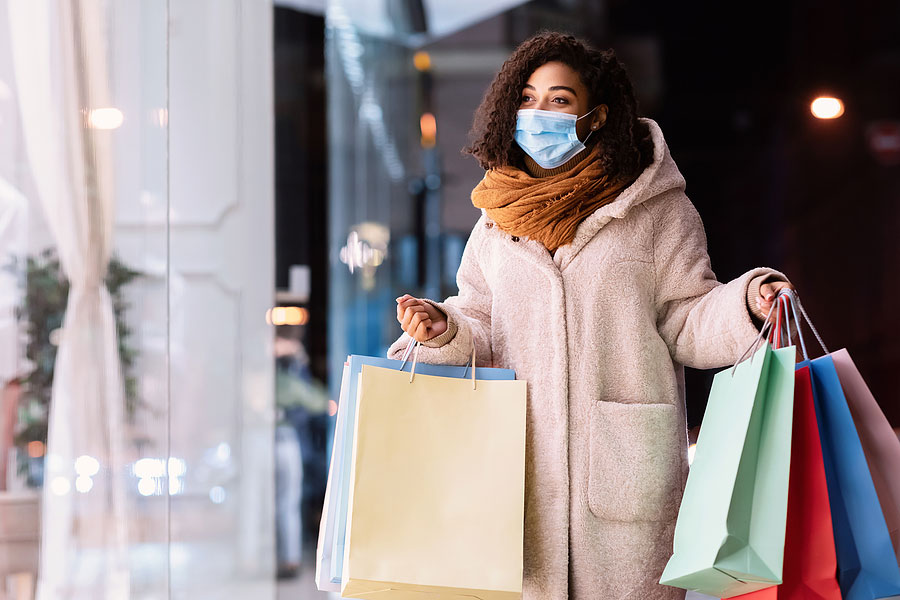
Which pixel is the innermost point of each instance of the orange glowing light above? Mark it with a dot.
(422, 60)
(428, 125)
(35, 449)
(287, 315)
(826, 107)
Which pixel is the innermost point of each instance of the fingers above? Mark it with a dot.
(405, 304)
(782, 285)
(768, 293)
(413, 317)
(418, 326)
(770, 290)
(422, 331)
(765, 306)
(409, 314)
(766, 298)
(421, 320)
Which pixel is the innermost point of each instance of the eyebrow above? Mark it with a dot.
(554, 88)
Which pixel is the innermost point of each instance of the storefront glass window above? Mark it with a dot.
(136, 359)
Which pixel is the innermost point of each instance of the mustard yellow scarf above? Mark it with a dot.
(546, 209)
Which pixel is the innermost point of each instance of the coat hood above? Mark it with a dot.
(662, 175)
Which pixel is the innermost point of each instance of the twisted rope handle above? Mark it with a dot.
(415, 344)
(771, 329)
(783, 322)
(795, 302)
(763, 331)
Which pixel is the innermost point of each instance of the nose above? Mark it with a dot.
(543, 103)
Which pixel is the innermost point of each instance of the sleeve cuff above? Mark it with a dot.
(444, 338)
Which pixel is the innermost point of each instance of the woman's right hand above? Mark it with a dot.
(419, 319)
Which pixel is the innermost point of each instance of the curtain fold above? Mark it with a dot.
(60, 56)
(13, 228)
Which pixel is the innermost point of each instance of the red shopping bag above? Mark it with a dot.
(810, 561)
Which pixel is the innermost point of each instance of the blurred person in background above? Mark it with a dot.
(288, 489)
(300, 466)
(588, 274)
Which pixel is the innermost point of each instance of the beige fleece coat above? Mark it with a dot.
(600, 332)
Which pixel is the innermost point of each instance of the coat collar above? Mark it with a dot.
(660, 176)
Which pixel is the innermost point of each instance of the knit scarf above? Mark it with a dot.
(546, 209)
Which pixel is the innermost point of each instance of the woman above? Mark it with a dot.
(587, 273)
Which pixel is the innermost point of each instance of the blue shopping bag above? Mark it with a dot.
(341, 479)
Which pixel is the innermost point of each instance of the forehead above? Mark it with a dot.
(554, 74)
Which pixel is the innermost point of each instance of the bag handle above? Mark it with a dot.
(414, 343)
(473, 364)
(782, 323)
(775, 333)
(770, 330)
(794, 299)
(764, 331)
(787, 324)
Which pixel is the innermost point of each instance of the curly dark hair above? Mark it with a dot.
(627, 146)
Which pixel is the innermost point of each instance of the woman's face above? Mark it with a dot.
(555, 86)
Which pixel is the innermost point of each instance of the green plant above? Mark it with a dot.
(42, 312)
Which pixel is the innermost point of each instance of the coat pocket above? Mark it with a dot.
(636, 467)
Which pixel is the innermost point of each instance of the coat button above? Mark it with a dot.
(515, 238)
(488, 224)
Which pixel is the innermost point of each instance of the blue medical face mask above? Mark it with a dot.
(548, 136)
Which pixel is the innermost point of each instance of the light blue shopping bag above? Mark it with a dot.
(339, 478)
(326, 525)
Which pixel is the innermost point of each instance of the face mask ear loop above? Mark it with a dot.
(587, 113)
(584, 141)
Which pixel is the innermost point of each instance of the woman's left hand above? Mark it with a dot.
(767, 293)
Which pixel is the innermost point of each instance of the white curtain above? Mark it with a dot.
(60, 54)
(13, 228)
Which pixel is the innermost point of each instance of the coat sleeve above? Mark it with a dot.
(705, 324)
(468, 315)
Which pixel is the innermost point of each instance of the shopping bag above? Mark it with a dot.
(810, 563)
(329, 507)
(343, 438)
(866, 561)
(437, 488)
(867, 565)
(880, 445)
(729, 536)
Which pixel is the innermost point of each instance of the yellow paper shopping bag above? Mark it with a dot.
(436, 502)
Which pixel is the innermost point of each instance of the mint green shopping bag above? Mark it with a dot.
(729, 537)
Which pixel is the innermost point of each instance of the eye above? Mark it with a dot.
(526, 98)
(561, 100)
